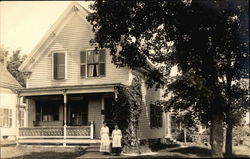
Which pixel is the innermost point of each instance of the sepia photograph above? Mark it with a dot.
(124, 79)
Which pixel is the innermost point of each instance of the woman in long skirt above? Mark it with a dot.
(105, 142)
(116, 140)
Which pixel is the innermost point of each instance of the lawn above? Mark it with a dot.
(41, 152)
(59, 152)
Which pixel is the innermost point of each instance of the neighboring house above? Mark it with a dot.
(8, 103)
(70, 87)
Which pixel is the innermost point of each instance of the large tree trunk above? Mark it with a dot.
(216, 137)
(229, 140)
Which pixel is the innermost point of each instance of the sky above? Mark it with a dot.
(24, 23)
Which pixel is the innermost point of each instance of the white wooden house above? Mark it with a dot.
(8, 103)
(70, 88)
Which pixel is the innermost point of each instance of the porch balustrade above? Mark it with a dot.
(57, 132)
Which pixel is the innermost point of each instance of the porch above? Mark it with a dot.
(58, 132)
(65, 115)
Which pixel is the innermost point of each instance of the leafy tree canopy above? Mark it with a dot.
(207, 40)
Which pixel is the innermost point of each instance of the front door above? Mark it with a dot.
(78, 113)
(109, 113)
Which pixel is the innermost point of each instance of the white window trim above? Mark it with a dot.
(12, 116)
(52, 62)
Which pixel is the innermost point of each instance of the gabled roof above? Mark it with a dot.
(6, 79)
(52, 33)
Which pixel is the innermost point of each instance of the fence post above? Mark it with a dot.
(91, 130)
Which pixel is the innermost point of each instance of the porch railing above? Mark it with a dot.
(57, 132)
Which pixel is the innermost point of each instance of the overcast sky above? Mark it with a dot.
(24, 23)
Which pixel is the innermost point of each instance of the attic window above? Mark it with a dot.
(59, 68)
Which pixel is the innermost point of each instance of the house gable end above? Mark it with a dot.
(53, 32)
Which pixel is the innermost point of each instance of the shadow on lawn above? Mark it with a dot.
(50, 155)
(199, 151)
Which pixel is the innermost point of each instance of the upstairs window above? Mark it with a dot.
(59, 65)
(92, 63)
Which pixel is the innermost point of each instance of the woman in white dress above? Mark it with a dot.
(116, 140)
(105, 142)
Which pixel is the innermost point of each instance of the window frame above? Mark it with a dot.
(87, 64)
(9, 118)
(156, 119)
(66, 64)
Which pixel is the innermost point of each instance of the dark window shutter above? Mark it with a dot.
(83, 63)
(151, 115)
(102, 56)
(83, 56)
(102, 62)
(102, 69)
(83, 70)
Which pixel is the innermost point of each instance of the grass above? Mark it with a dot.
(10, 151)
(41, 152)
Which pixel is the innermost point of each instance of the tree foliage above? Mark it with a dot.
(127, 110)
(15, 60)
(3, 54)
(207, 40)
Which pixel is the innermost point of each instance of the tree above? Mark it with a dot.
(205, 39)
(3, 54)
(14, 62)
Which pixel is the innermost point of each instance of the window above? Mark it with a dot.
(92, 61)
(174, 124)
(155, 116)
(5, 117)
(59, 65)
(47, 111)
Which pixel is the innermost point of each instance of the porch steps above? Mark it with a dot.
(59, 141)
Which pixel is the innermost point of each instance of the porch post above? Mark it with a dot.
(102, 111)
(64, 116)
(91, 130)
(17, 117)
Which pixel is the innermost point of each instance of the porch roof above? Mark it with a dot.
(74, 89)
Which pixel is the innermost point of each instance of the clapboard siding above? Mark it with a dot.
(8, 100)
(150, 95)
(73, 38)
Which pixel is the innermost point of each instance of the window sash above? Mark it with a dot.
(59, 65)
(21, 117)
(5, 117)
